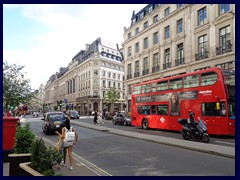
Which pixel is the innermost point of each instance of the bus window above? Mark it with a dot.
(191, 81)
(210, 109)
(154, 87)
(139, 109)
(146, 88)
(162, 109)
(137, 90)
(161, 86)
(208, 78)
(145, 110)
(175, 84)
(153, 109)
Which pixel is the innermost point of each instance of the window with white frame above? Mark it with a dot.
(137, 47)
(145, 43)
(223, 8)
(179, 26)
(202, 44)
(155, 19)
(167, 32)
(202, 16)
(95, 72)
(155, 38)
(145, 25)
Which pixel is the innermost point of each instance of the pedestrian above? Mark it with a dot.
(95, 117)
(67, 147)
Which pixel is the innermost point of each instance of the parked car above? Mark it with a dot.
(53, 121)
(121, 118)
(73, 114)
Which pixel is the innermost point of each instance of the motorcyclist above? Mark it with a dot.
(192, 123)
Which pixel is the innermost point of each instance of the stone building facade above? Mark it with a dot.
(83, 84)
(169, 39)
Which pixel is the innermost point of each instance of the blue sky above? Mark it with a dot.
(45, 38)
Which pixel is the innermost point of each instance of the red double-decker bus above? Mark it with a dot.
(209, 93)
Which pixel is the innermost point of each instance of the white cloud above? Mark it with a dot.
(71, 27)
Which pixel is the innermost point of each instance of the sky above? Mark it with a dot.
(45, 37)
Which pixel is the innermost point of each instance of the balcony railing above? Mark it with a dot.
(224, 49)
(179, 62)
(202, 55)
(136, 74)
(167, 65)
(88, 97)
(145, 72)
(155, 69)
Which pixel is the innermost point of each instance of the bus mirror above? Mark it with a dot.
(218, 105)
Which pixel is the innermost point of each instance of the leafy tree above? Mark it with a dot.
(111, 97)
(16, 89)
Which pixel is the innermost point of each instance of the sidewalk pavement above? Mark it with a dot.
(84, 168)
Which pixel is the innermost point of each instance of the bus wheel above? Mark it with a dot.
(145, 124)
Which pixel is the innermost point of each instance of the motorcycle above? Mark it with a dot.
(198, 133)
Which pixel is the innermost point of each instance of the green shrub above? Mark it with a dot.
(43, 159)
(24, 139)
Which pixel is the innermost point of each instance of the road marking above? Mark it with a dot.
(83, 161)
(225, 142)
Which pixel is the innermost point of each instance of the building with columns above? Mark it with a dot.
(83, 84)
(169, 39)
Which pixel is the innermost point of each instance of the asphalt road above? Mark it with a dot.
(123, 156)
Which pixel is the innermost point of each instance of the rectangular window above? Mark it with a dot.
(129, 69)
(104, 73)
(129, 51)
(223, 8)
(109, 74)
(162, 86)
(155, 19)
(179, 26)
(208, 78)
(129, 35)
(145, 25)
(209, 109)
(137, 47)
(155, 38)
(145, 63)
(146, 88)
(109, 84)
(162, 109)
(146, 110)
(114, 75)
(150, 9)
(141, 15)
(180, 5)
(145, 43)
(137, 30)
(153, 109)
(191, 81)
(180, 51)
(137, 90)
(154, 87)
(104, 83)
(202, 45)
(167, 32)
(225, 39)
(167, 56)
(202, 16)
(95, 72)
(175, 84)
(167, 11)
(155, 60)
(137, 66)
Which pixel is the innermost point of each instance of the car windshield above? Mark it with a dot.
(74, 112)
(56, 117)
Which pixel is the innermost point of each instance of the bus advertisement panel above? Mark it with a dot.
(208, 93)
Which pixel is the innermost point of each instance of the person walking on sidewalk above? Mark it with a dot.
(67, 147)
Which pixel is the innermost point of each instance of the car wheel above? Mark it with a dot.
(124, 123)
(145, 124)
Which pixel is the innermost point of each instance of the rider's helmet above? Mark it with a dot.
(191, 114)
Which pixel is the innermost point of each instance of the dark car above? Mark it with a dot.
(73, 114)
(122, 118)
(53, 121)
